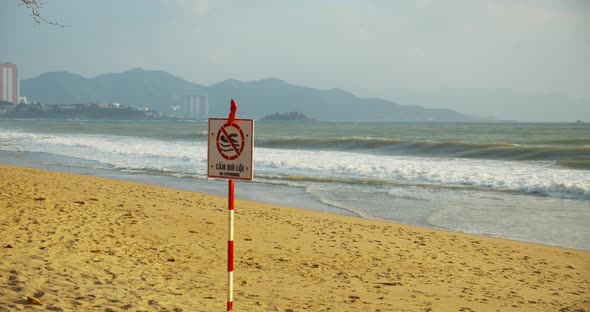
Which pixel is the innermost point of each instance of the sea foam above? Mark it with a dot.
(189, 158)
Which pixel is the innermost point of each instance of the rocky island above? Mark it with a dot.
(292, 116)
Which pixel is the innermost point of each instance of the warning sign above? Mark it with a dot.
(230, 149)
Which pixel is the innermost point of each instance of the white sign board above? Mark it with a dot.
(230, 149)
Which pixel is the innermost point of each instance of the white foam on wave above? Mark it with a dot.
(526, 177)
(440, 192)
(126, 153)
(189, 157)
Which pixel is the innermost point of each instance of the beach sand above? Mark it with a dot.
(80, 243)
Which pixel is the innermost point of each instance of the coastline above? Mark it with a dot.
(79, 242)
(285, 195)
(532, 200)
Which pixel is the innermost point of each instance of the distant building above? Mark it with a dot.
(196, 106)
(10, 86)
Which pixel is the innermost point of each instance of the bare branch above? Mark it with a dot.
(34, 6)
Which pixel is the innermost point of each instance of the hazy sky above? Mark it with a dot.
(412, 52)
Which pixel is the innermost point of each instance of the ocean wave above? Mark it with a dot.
(188, 159)
(575, 164)
(459, 149)
(192, 136)
(558, 189)
(570, 141)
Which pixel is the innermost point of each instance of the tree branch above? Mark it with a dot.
(34, 6)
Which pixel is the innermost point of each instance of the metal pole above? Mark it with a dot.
(230, 247)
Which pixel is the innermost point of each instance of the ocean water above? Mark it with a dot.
(527, 182)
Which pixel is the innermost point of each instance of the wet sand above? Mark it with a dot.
(76, 243)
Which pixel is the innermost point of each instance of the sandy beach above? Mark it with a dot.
(79, 243)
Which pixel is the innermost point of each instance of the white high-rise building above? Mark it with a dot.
(196, 106)
(10, 86)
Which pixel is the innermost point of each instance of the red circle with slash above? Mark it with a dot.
(230, 141)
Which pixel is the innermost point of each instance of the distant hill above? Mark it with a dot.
(292, 116)
(157, 90)
(161, 91)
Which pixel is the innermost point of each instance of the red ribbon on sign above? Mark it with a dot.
(232, 113)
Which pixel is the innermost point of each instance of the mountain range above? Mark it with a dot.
(164, 92)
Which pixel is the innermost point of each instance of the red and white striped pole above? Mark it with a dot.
(230, 247)
(230, 242)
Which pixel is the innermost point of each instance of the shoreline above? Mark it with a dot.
(81, 242)
(530, 201)
(215, 187)
(282, 195)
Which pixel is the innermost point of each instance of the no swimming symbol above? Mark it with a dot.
(230, 141)
(230, 147)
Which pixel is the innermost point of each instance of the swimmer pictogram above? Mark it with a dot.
(230, 141)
